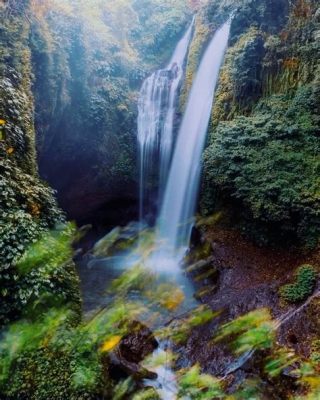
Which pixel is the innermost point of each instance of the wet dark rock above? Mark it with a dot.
(199, 247)
(205, 277)
(116, 240)
(138, 344)
(196, 238)
(133, 348)
(248, 277)
(120, 368)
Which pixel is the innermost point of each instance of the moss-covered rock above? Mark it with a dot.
(27, 205)
(262, 160)
(298, 291)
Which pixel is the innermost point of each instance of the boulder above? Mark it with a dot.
(133, 348)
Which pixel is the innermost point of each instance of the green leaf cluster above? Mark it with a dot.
(298, 291)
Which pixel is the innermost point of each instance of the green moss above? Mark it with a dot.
(28, 208)
(45, 374)
(200, 37)
(49, 360)
(89, 64)
(315, 352)
(302, 288)
(262, 161)
(46, 275)
(240, 77)
(266, 167)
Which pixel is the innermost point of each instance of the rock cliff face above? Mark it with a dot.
(261, 164)
(261, 169)
(89, 63)
(86, 80)
(27, 205)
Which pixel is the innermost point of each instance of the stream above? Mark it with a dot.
(98, 273)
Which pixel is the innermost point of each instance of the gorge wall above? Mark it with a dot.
(75, 84)
(27, 204)
(261, 164)
(89, 63)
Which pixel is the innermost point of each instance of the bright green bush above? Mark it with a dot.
(47, 360)
(44, 274)
(27, 205)
(305, 281)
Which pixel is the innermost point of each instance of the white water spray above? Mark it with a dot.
(156, 111)
(179, 203)
(176, 217)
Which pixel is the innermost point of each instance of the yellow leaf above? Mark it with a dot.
(173, 301)
(10, 150)
(110, 343)
(2, 122)
(312, 381)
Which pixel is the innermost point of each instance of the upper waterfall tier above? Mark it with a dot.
(156, 111)
(181, 192)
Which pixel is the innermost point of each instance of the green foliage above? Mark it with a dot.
(268, 162)
(27, 209)
(306, 277)
(262, 161)
(267, 165)
(43, 362)
(51, 251)
(280, 359)
(89, 64)
(247, 70)
(27, 205)
(199, 386)
(309, 377)
(148, 394)
(254, 330)
(75, 354)
(72, 355)
(249, 389)
(180, 330)
(47, 355)
(315, 354)
(44, 275)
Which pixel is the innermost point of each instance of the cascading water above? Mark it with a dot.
(156, 111)
(156, 114)
(177, 212)
(179, 203)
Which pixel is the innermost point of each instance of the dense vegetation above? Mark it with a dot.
(86, 116)
(49, 353)
(298, 291)
(84, 113)
(262, 160)
(27, 205)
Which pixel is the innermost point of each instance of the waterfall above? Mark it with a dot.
(155, 134)
(179, 204)
(156, 111)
